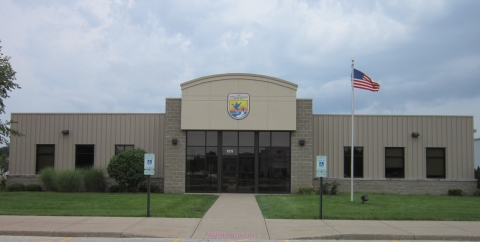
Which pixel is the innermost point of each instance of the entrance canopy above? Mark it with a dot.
(238, 102)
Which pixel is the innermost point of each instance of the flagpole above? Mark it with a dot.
(351, 149)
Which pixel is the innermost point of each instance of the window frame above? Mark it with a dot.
(37, 170)
(355, 163)
(124, 146)
(436, 157)
(402, 174)
(77, 155)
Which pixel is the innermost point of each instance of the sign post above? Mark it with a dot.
(321, 171)
(149, 170)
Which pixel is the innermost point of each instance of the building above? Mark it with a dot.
(250, 133)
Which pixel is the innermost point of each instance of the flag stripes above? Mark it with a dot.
(362, 81)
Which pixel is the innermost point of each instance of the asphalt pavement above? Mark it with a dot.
(237, 216)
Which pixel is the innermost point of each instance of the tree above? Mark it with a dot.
(7, 76)
(127, 168)
(5, 149)
(3, 163)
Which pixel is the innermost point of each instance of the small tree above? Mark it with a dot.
(3, 163)
(127, 168)
(477, 175)
(7, 76)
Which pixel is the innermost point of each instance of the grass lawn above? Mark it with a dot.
(104, 204)
(379, 207)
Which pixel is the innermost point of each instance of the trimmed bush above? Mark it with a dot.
(33, 188)
(331, 188)
(307, 190)
(47, 177)
(94, 180)
(477, 193)
(477, 175)
(127, 168)
(68, 180)
(16, 187)
(3, 184)
(154, 188)
(456, 192)
(116, 189)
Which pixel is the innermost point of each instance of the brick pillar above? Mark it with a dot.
(302, 156)
(174, 155)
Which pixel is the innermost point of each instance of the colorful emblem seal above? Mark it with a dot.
(238, 105)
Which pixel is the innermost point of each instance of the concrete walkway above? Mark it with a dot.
(237, 216)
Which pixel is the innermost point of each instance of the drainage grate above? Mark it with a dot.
(230, 235)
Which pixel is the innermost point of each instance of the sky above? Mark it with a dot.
(127, 56)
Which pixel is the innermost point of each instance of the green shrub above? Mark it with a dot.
(327, 186)
(477, 175)
(307, 190)
(116, 189)
(456, 192)
(33, 188)
(3, 184)
(68, 180)
(127, 168)
(16, 187)
(154, 188)
(94, 180)
(477, 193)
(331, 188)
(47, 177)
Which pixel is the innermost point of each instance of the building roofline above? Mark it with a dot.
(227, 76)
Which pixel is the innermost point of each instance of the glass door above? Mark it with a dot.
(229, 174)
(246, 174)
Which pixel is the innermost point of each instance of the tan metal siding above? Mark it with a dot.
(103, 131)
(375, 132)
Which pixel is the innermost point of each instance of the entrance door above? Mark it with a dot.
(229, 174)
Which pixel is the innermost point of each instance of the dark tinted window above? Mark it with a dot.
(212, 137)
(45, 157)
(436, 163)
(121, 148)
(247, 139)
(229, 138)
(357, 162)
(394, 163)
(84, 156)
(281, 139)
(195, 138)
(264, 138)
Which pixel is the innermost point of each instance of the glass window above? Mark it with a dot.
(246, 139)
(212, 137)
(195, 150)
(264, 138)
(195, 138)
(229, 138)
(281, 139)
(45, 157)
(84, 156)
(357, 162)
(436, 163)
(121, 148)
(394, 162)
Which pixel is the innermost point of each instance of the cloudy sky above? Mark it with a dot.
(128, 56)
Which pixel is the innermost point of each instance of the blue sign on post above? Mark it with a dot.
(321, 166)
(149, 164)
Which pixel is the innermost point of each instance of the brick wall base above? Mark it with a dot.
(402, 186)
(34, 179)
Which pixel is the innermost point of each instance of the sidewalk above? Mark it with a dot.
(237, 216)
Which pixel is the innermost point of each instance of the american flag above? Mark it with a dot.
(362, 81)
